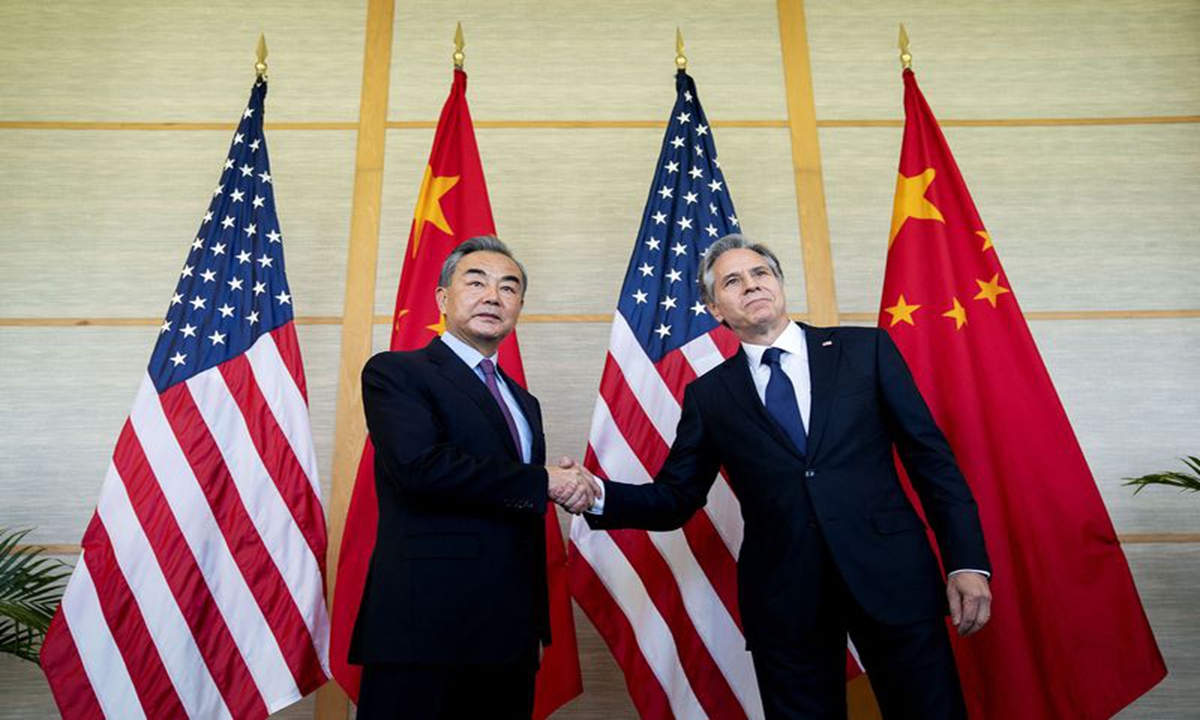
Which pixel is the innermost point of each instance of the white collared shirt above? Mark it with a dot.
(472, 358)
(794, 362)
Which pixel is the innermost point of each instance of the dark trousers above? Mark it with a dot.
(911, 667)
(448, 692)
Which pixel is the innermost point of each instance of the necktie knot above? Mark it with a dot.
(488, 367)
(772, 356)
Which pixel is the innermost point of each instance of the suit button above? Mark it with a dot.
(810, 473)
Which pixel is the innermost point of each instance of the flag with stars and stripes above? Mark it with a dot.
(666, 602)
(1068, 635)
(200, 588)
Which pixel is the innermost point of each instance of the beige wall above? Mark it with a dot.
(1088, 215)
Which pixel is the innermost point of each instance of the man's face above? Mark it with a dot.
(484, 299)
(746, 295)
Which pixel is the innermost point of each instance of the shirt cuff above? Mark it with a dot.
(597, 507)
(984, 573)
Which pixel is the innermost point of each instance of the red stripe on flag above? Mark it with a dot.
(635, 426)
(213, 639)
(64, 671)
(277, 454)
(677, 372)
(606, 615)
(289, 349)
(719, 565)
(711, 552)
(258, 568)
(124, 617)
(706, 677)
(727, 343)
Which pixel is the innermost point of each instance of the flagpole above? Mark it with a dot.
(905, 55)
(260, 67)
(680, 58)
(459, 44)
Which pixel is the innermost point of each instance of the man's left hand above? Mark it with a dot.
(970, 599)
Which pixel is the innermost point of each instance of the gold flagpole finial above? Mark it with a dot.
(260, 67)
(680, 58)
(905, 55)
(459, 44)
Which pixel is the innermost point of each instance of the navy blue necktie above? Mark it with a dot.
(781, 401)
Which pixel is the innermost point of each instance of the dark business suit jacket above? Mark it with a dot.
(458, 575)
(844, 492)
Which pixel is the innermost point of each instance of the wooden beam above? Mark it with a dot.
(358, 310)
(806, 164)
(856, 317)
(599, 124)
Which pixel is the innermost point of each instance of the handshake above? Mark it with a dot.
(572, 486)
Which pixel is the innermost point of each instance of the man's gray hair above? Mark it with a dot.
(490, 243)
(731, 242)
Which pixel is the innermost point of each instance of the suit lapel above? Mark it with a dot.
(736, 375)
(465, 380)
(823, 354)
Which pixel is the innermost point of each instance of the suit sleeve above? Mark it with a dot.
(679, 489)
(404, 430)
(945, 496)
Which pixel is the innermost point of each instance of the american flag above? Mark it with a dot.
(200, 589)
(666, 603)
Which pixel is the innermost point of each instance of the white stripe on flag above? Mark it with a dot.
(651, 631)
(281, 537)
(643, 379)
(702, 354)
(102, 661)
(706, 612)
(286, 403)
(168, 628)
(224, 579)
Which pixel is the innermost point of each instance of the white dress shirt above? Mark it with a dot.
(793, 360)
(472, 358)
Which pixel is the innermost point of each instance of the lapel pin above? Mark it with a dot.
(827, 343)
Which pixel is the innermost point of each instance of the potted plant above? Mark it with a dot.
(31, 586)
(1182, 480)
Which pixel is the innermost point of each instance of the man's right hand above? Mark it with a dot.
(572, 486)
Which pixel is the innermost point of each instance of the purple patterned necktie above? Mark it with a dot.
(489, 377)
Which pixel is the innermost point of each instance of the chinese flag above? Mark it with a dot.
(451, 207)
(1068, 635)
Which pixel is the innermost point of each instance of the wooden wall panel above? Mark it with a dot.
(146, 61)
(1083, 218)
(1133, 396)
(570, 201)
(67, 392)
(1167, 578)
(1017, 60)
(98, 223)
(587, 61)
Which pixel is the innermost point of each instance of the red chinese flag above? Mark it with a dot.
(1068, 635)
(452, 207)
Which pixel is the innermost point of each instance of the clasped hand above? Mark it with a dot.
(572, 486)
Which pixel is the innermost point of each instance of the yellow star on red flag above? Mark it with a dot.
(991, 289)
(959, 313)
(902, 312)
(987, 240)
(429, 205)
(911, 202)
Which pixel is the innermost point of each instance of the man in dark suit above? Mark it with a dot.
(455, 606)
(804, 420)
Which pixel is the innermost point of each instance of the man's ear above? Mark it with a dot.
(440, 296)
(712, 310)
